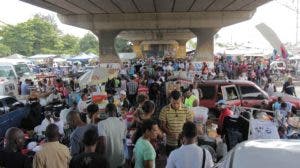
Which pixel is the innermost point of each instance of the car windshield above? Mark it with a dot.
(22, 69)
(6, 71)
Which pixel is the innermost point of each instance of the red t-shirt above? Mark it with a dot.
(226, 112)
(143, 90)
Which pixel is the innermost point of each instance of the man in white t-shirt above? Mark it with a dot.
(40, 129)
(112, 133)
(54, 97)
(189, 154)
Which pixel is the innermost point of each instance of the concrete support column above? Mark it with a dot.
(137, 49)
(205, 44)
(107, 46)
(181, 50)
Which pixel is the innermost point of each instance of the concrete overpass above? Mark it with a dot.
(152, 20)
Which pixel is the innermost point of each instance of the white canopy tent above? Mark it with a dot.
(296, 57)
(16, 56)
(42, 56)
(83, 57)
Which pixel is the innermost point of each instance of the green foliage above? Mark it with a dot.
(4, 50)
(89, 43)
(70, 44)
(192, 44)
(40, 35)
(123, 45)
(19, 38)
(45, 35)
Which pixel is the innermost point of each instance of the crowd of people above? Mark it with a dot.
(140, 124)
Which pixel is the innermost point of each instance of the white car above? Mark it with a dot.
(263, 154)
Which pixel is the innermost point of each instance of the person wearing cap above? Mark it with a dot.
(224, 112)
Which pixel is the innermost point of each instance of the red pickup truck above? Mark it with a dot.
(239, 93)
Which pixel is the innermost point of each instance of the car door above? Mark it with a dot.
(251, 95)
(208, 98)
(231, 95)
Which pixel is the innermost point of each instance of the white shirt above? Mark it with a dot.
(114, 131)
(60, 125)
(42, 128)
(63, 114)
(123, 71)
(270, 89)
(189, 156)
(53, 96)
(82, 105)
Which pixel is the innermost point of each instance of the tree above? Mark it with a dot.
(19, 38)
(40, 35)
(89, 43)
(4, 50)
(70, 44)
(192, 44)
(122, 45)
(45, 35)
(34, 36)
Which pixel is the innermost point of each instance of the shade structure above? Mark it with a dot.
(16, 56)
(95, 76)
(83, 57)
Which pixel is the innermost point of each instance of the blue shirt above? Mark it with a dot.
(276, 106)
(73, 97)
(24, 89)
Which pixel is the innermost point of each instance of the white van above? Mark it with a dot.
(12, 72)
(14, 68)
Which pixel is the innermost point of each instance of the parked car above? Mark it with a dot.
(11, 113)
(264, 154)
(239, 93)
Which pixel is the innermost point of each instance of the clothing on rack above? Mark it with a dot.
(263, 129)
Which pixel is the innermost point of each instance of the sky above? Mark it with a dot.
(275, 14)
